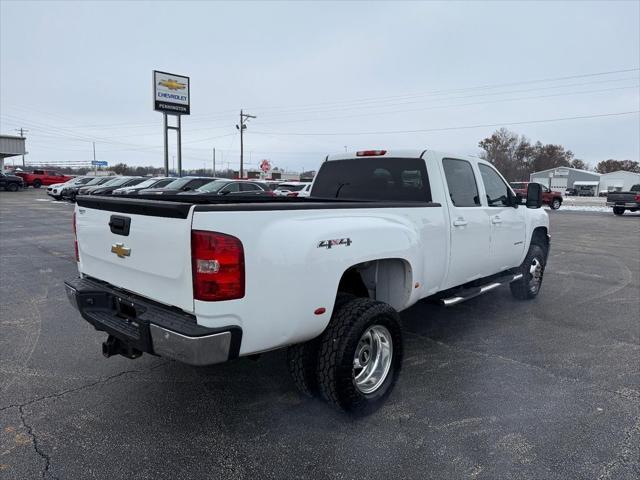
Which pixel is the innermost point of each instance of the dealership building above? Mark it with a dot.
(620, 181)
(560, 178)
(10, 146)
(587, 183)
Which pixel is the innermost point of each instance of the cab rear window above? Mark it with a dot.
(387, 179)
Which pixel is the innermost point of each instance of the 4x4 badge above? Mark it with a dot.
(120, 250)
(335, 243)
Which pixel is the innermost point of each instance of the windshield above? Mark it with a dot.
(212, 187)
(178, 184)
(116, 181)
(95, 181)
(147, 183)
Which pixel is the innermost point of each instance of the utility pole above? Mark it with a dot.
(22, 132)
(214, 162)
(95, 165)
(244, 118)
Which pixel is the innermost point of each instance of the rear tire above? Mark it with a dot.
(618, 210)
(302, 359)
(12, 187)
(555, 204)
(532, 270)
(360, 356)
(37, 184)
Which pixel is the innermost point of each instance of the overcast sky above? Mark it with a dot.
(73, 73)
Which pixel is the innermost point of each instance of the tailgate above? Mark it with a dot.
(141, 246)
(620, 197)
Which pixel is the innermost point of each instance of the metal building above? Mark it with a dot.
(560, 178)
(10, 146)
(619, 181)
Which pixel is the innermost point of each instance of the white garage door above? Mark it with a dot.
(559, 184)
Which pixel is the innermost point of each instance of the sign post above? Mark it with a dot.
(171, 96)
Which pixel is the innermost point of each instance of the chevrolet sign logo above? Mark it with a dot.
(120, 250)
(172, 84)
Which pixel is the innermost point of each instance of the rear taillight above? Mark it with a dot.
(292, 194)
(370, 153)
(217, 262)
(75, 237)
(638, 198)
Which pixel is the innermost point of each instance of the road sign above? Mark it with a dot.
(99, 163)
(265, 165)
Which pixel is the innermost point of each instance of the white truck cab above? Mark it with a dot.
(193, 279)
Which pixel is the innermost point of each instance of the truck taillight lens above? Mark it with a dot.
(637, 198)
(75, 237)
(292, 194)
(217, 263)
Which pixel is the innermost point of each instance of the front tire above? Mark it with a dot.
(12, 187)
(37, 184)
(360, 356)
(618, 210)
(555, 204)
(532, 270)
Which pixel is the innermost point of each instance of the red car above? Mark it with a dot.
(37, 178)
(553, 199)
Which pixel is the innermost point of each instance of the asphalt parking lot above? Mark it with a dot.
(493, 388)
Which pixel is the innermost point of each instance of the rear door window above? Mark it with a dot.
(370, 178)
(231, 188)
(461, 181)
(249, 187)
(198, 182)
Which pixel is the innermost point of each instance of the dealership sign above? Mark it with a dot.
(171, 93)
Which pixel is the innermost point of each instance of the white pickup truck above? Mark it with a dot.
(209, 279)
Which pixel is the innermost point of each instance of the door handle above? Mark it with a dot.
(496, 219)
(459, 222)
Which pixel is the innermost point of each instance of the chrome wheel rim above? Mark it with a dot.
(535, 271)
(372, 359)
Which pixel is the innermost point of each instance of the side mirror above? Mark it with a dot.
(534, 195)
(186, 189)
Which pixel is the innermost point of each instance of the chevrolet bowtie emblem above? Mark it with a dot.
(172, 84)
(120, 250)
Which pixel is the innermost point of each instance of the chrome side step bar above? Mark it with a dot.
(468, 293)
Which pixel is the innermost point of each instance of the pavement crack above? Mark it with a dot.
(625, 452)
(82, 387)
(35, 443)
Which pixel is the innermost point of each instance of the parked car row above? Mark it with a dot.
(128, 185)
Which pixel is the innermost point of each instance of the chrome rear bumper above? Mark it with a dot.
(140, 325)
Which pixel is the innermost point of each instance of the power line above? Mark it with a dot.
(453, 105)
(527, 122)
(480, 87)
